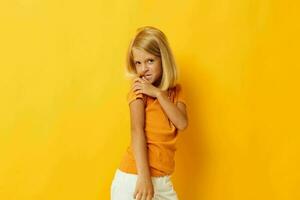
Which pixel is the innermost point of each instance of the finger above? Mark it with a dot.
(140, 79)
(137, 79)
(136, 88)
(135, 194)
(145, 79)
(137, 83)
(138, 196)
(149, 197)
(144, 196)
(140, 84)
(138, 92)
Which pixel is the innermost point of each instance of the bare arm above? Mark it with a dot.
(144, 186)
(176, 113)
(139, 144)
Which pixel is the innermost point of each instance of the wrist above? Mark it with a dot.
(144, 170)
(144, 175)
(160, 93)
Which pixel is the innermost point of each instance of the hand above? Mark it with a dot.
(142, 85)
(143, 189)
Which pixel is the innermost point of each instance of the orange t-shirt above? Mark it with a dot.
(161, 135)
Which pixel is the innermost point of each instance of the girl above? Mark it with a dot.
(157, 111)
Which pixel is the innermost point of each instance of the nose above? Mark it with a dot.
(144, 68)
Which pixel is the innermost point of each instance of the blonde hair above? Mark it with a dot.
(153, 41)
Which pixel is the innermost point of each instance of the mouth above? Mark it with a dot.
(147, 76)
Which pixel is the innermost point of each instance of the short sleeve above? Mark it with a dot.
(132, 96)
(180, 94)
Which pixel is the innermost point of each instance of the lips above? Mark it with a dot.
(147, 76)
(141, 75)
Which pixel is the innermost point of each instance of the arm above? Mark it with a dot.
(176, 113)
(139, 144)
(144, 186)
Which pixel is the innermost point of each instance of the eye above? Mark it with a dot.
(137, 62)
(150, 61)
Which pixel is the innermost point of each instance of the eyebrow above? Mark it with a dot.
(150, 58)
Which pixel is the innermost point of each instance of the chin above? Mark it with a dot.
(150, 80)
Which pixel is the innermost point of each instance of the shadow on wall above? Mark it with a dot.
(193, 156)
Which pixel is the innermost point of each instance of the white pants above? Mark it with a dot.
(123, 187)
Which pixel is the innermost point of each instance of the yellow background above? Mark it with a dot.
(64, 122)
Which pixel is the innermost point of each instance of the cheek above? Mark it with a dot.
(157, 68)
(137, 69)
(159, 71)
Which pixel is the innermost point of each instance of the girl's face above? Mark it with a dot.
(147, 65)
